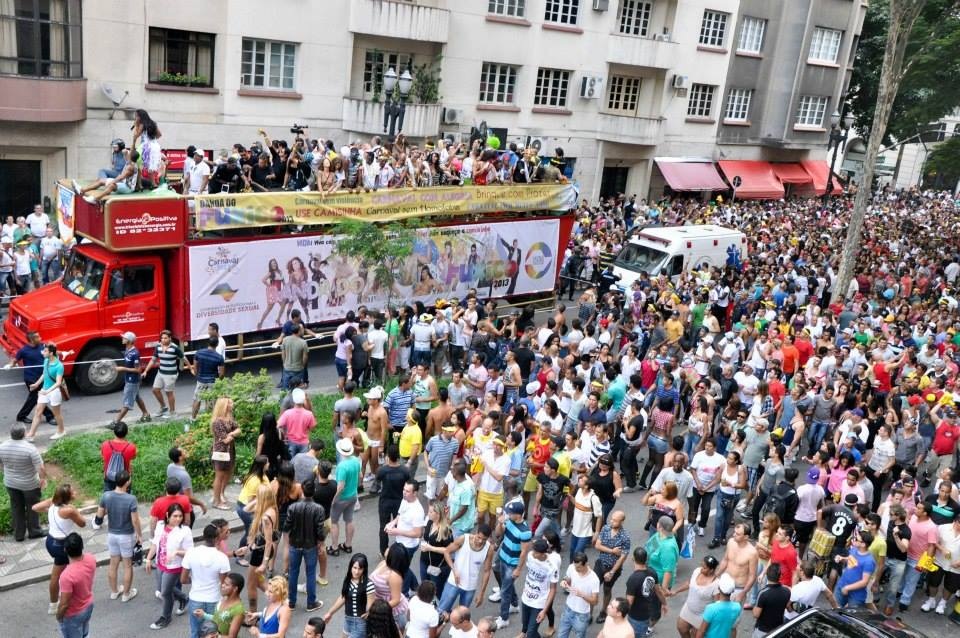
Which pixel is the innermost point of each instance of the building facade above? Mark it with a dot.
(615, 83)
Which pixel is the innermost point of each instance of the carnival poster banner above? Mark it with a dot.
(65, 213)
(254, 285)
(249, 210)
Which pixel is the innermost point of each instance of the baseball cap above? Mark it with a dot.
(7, 239)
(856, 412)
(374, 393)
(540, 546)
(850, 499)
(813, 475)
(129, 336)
(726, 584)
(299, 396)
(514, 507)
(198, 151)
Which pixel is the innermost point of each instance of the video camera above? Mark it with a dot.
(297, 129)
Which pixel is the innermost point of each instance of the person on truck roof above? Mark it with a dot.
(124, 183)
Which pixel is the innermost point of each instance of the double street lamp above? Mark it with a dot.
(393, 108)
(838, 137)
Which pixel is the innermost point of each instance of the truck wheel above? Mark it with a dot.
(99, 375)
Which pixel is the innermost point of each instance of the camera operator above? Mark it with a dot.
(262, 177)
(117, 160)
(227, 178)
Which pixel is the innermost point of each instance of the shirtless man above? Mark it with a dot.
(740, 561)
(377, 428)
(124, 183)
(439, 415)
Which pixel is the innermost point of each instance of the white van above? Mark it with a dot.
(677, 249)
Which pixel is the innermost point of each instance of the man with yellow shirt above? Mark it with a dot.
(411, 442)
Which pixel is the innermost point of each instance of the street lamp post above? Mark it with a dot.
(394, 109)
(839, 130)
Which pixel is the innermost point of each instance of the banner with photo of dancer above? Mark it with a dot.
(253, 286)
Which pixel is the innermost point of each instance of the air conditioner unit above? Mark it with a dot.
(680, 81)
(590, 86)
(535, 143)
(601, 5)
(451, 116)
(455, 136)
(662, 37)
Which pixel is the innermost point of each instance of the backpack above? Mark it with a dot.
(116, 464)
(777, 502)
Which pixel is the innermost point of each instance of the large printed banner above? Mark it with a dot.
(247, 210)
(254, 285)
(66, 216)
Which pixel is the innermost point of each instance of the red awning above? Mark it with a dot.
(691, 176)
(791, 173)
(758, 181)
(819, 170)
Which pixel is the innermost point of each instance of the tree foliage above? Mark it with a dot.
(943, 164)
(381, 247)
(929, 89)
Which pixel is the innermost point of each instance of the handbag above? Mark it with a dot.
(223, 457)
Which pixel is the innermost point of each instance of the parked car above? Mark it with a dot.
(844, 623)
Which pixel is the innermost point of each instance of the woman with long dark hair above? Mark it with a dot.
(380, 621)
(146, 140)
(171, 540)
(357, 596)
(387, 579)
(287, 491)
(270, 445)
(64, 518)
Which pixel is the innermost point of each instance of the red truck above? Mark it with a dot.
(146, 263)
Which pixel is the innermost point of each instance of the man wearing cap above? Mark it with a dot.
(197, 177)
(8, 284)
(720, 617)
(439, 453)
(296, 424)
(539, 587)
(514, 547)
(348, 480)
(810, 496)
(131, 379)
(377, 427)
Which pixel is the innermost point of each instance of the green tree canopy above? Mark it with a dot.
(943, 165)
(929, 89)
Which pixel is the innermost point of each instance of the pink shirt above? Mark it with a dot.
(77, 580)
(297, 423)
(921, 535)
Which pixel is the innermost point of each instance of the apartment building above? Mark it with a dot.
(615, 83)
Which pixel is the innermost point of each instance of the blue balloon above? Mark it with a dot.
(888, 294)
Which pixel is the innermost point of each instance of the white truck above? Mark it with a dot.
(675, 249)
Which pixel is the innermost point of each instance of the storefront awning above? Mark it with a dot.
(758, 181)
(691, 176)
(791, 173)
(819, 170)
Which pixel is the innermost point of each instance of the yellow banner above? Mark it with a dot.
(248, 210)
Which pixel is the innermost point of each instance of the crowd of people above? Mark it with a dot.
(809, 442)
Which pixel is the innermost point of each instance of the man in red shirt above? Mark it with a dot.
(944, 440)
(776, 388)
(783, 553)
(804, 347)
(158, 510)
(118, 444)
(791, 358)
(76, 589)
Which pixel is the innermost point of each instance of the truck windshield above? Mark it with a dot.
(640, 258)
(84, 276)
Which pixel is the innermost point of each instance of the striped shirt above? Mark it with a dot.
(598, 450)
(514, 536)
(440, 453)
(169, 359)
(21, 463)
(397, 403)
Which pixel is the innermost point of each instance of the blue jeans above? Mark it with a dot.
(818, 429)
(309, 556)
(547, 523)
(247, 518)
(355, 627)
(410, 582)
(911, 577)
(297, 448)
(78, 625)
(452, 593)
(528, 621)
(575, 623)
(897, 568)
(439, 580)
(290, 379)
(639, 627)
(170, 591)
(508, 595)
(578, 544)
(726, 505)
(208, 608)
(690, 442)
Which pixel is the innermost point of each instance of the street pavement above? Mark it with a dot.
(25, 607)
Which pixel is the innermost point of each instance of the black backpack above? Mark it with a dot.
(777, 501)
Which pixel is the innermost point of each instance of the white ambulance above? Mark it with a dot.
(675, 249)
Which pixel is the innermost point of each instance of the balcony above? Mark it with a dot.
(364, 116)
(421, 20)
(32, 99)
(641, 51)
(627, 129)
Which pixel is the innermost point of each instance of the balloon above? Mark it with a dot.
(493, 142)
(888, 293)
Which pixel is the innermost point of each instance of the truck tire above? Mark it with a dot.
(98, 375)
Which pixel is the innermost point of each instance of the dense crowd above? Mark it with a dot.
(811, 442)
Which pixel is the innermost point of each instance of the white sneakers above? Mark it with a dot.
(700, 532)
(928, 604)
(942, 606)
(495, 596)
(114, 594)
(128, 595)
(501, 623)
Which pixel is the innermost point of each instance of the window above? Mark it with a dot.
(377, 63)
(738, 105)
(751, 35)
(634, 17)
(562, 11)
(181, 57)
(701, 100)
(41, 38)
(713, 28)
(811, 111)
(624, 94)
(825, 45)
(267, 64)
(551, 88)
(497, 83)
(509, 8)
(132, 280)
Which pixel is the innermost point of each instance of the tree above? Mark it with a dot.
(902, 16)
(928, 89)
(381, 247)
(943, 165)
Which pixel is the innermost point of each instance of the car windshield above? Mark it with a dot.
(640, 258)
(84, 276)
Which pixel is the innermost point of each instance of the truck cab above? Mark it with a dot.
(102, 295)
